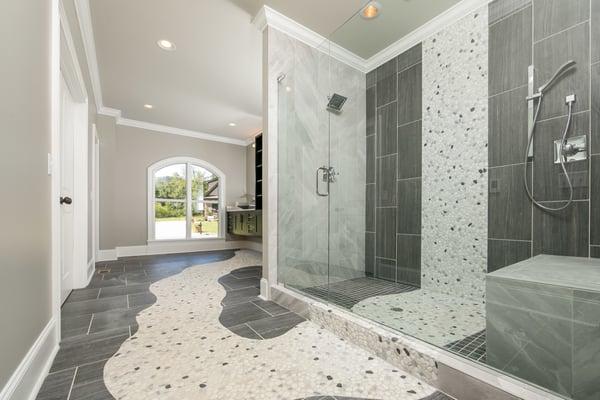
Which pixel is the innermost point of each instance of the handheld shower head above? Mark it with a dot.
(559, 72)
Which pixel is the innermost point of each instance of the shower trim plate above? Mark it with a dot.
(575, 149)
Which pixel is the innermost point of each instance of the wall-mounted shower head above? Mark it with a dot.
(559, 72)
(336, 102)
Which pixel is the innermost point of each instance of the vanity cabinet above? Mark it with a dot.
(244, 223)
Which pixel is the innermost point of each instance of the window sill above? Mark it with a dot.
(207, 239)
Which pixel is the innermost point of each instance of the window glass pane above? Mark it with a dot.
(205, 203)
(169, 220)
(169, 182)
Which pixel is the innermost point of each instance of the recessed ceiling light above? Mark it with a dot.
(166, 45)
(232, 124)
(371, 10)
(148, 106)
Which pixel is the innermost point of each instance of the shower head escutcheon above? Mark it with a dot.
(336, 102)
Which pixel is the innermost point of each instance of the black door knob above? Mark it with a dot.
(66, 200)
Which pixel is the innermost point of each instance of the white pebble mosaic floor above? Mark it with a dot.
(181, 351)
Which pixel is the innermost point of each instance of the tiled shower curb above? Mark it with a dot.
(452, 374)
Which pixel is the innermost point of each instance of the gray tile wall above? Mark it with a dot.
(546, 33)
(393, 216)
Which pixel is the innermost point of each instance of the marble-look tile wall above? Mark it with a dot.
(455, 159)
(314, 230)
(545, 33)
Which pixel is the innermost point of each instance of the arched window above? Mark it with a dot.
(186, 198)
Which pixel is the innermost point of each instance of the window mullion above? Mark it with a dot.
(188, 195)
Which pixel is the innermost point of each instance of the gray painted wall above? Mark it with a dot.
(125, 155)
(25, 128)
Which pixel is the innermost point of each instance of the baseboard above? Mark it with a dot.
(26, 381)
(176, 247)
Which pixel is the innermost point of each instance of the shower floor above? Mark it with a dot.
(455, 323)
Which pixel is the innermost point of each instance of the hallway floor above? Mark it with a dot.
(192, 327)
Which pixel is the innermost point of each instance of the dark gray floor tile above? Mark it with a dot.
(94, 336)
(93, 306)
(275, 333)
(57, 385)
(84, 352)
(123, 290)
(510, 52)
(132, 266)
(371, 111)
(140, 299)
(102, 283)
(562, 233)
(386, 130)
(370, 207)
(595, 251)
(240, 296)
(595, 116)
(271, 307)
(549, 181)
(552, 16)
(386, 83)
(369, 253)
(509, 209)
(371, 158)
(408, 214)
(409, 150)
(239, 283)
(89, 373)
(371, 78)
(595, 201)
(386, 181)
(551, 53)
(410, 94)
(115, 319)
(74, 326)
(82, 294)
(247, 272)
(91, 391)
(244, 330)
(499, 9)
(502, 253)
(408, 259)
(507, 128)
(385, 269)
(595, 21)
(410, 57)
(283, 321)
(136, 278)
(240, 314)
(385, 235)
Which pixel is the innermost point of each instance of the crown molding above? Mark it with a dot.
(266, 16)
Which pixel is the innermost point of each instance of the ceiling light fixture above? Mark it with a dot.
(371, 10)
(232, 124)
(166, 45)
(148, 106)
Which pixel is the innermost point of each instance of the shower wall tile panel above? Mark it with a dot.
(386, 83)
(562, 233)
(455, 157)
(409, 89)
(409, 206)
(371, 110)
(387, 132)
(595, 86)
(371, 159)
(550, 183)
(506, 252)
(370, 204)
(372, 78)
(386, 269)
(500, 9)
(595, 201)
(410, 57)
(386, 233)
(508, 126)
(386, 181)
(369, 253)
(595, 251)
(552, 52)
(408, 259)
(552, 16)
(510, 51)
(409, 149)
(595, 29)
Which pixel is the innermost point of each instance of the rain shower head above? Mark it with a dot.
(559, 72)
(336, 102)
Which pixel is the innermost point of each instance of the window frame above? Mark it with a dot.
(188, 161)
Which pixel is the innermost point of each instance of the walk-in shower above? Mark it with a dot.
(430, 210)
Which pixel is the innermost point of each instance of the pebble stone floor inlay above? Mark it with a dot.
(204, 334)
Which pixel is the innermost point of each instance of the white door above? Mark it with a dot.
(68, 115)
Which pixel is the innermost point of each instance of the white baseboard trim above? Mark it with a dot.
(26, 381)
(91, 267)
(175, 247)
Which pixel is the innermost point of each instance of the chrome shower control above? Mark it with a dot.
(574, 149)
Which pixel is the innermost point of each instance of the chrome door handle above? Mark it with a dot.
(325, 179)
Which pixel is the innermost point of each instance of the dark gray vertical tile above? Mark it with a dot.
(499, 9)
(370, 208)
(595, 251)
(385, 237)
(502, 253)
(510, 52)
(549, 181)
(371, 159)
(408, 259)
(595, 28)
(509, 208)
(409, 94)
(372, 78)
(386, 82)
(409, 206)
(386, 181)
(507, 127)
(386, 269)
(371, 111)
(386, 129)
(409, 150)
(410, 57)
(549, 55)
(595, 201)
(595, 116)
(562, 233)
(552, 16)
(369, 253)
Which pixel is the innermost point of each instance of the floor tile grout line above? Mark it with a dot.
(258, 334)
(99, 291)
(253, 302)
(72, 382)
(90, 325)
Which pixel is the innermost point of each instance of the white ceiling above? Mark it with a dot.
(214, 76)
